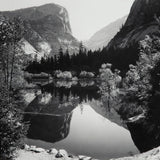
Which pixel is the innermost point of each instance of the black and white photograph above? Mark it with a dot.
(79, 79)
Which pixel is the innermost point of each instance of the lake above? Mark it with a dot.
(73, 117)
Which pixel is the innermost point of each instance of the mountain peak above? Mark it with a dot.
(140, 22)
(142, 12)
(48, 28)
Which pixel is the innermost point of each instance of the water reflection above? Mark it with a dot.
(76, 119)
(89, 92)
(49, 128)
(47, 103)
(93, 135)
(146, 132)
(73, 116)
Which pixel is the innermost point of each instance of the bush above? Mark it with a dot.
(63, 75)
(138, 79)
(85, 74)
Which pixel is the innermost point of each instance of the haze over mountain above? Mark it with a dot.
(102, 37)
(48, 29)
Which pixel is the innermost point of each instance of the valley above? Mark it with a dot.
(65, 99)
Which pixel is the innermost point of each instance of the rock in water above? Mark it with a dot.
(63, 153)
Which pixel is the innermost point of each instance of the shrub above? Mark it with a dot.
(85, 74)
(63, 75)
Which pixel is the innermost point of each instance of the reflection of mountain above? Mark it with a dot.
(109, 113)
(28, 95)
(50, 104)
(48, 128)
(146, 132)
(49, 117)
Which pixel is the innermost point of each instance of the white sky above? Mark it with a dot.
(86, 16)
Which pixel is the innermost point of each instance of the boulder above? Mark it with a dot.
(36, 150)
(62, 153)
(26, 147)
(53, 151)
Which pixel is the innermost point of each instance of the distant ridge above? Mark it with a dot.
(101, 38)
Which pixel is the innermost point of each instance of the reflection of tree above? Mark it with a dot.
(141, 85)
(66, 84)
(140, 80)
(84, 93)
(49, 128)
(146, 132)
(86, 83)
(81, 108)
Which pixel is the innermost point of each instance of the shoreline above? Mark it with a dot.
(34, 153)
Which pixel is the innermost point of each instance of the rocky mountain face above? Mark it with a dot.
(101, 38)
(140, 22)
(48, 28)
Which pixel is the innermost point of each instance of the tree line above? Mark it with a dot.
(86, 60)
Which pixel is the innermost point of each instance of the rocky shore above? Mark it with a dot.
(34, 153)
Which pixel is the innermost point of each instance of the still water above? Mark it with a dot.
(75, 119)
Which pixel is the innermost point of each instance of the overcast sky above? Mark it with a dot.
(86, 16)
